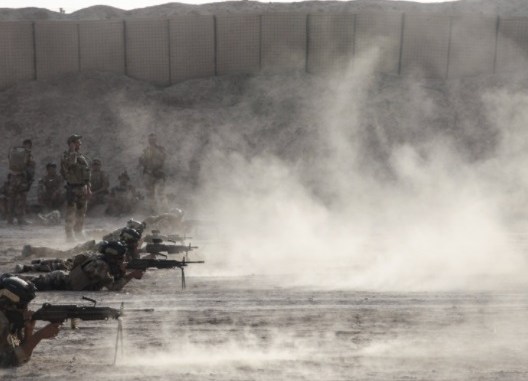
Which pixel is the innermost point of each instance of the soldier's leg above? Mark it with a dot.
(80, 213)
(69, 217)
(39, 251)
(11, 199)
(21, 207)
(55, 280)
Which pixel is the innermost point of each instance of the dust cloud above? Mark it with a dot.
(388, 184)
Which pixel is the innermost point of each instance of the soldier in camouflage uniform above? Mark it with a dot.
(50, 189)
(129, 237)
(153, 161)
(19, 180)
(76, 172)
(17, 342)
(123, 198)
(92, 245)
(99, 184)
(92, 272)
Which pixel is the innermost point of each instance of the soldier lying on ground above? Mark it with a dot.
(16, 346)
(128, 237)
(40, 251)
(95, 272)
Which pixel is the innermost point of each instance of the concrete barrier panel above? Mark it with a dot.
(425, 44)
(17, 56)
(147, 50)
(192, 47)
(472, 49)
(330, 42)
(237, 44)
(512, 45)
(379, 33)
(283, 44)
(102, 46)
(57, 48)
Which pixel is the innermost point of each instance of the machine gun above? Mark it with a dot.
(57, 313)
(160, 247)
(143, 264)
(156, 245)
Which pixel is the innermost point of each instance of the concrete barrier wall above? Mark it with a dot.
(147, 50)
(102, 46)
(425, 45)
(237, 44)
(378, 37)
(472, 49)
(17, 54)
(168, 51)
(330, 42)
(512, 45)
(56, 48)
(283, 41)
(192, 47)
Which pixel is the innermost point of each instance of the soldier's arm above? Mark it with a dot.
(9, 355)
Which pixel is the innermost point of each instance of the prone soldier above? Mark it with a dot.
(92, 272)
(76, 172)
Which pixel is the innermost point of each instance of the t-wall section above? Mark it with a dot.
(167, 51)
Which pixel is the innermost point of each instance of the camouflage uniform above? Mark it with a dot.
(123, 198)
(76, 172)
(19, 181)
(10, 352)
(41, 251)
(99, 184)
(50, 194)
(91, 275)
(153, 161)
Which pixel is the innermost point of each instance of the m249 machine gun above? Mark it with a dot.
(143, 264)
(157, 244)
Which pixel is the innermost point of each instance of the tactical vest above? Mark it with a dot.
(75, 173)
(19, 158)
(79, 281)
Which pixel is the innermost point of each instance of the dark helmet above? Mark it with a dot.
(113, 249)
(16, 290)
(129, 235)
(51, 165)
(136, 225)
(73, 138)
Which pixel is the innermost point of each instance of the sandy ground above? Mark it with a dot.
(252, 328)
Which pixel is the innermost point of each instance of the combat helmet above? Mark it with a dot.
(113, 249)
(129, 235)
(16, 290)
(136, 225)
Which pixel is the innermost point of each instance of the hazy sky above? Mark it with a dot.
(74, 5)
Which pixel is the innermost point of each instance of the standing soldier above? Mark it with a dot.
(76, 172)
(50, 188)
(100, 184)
(152, 161)
(19, 180)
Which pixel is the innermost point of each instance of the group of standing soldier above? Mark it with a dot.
(79, 184)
